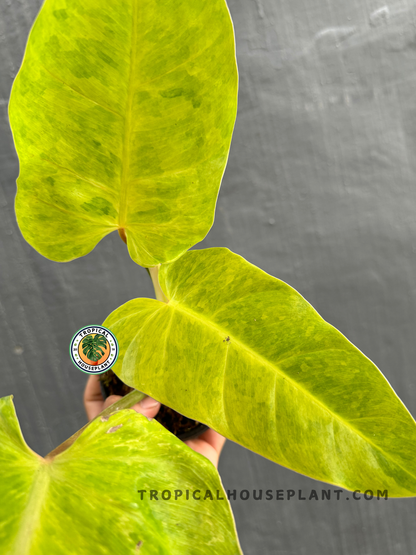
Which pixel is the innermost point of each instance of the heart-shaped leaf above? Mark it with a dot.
(244, 353)
(87, 499)
(122, 115)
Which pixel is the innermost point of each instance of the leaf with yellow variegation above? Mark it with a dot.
(244, 353)
(122, 114)
(84, 498)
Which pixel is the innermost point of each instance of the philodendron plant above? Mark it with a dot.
(122, 115)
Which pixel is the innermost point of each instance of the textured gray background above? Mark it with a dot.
(319, 191)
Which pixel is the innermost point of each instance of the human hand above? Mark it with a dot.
(209, 444)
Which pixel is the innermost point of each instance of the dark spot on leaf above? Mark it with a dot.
(189, 91)
(107, 59)
(227, 339)
(99, 205)
(139, 544)
(114, 429)
(171, 93)
(60, 15)
(141, 96)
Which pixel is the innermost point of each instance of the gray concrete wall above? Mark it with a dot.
(319, 191)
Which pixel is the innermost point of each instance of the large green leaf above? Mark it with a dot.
(84, 500)
(122, 115)
(244, 353)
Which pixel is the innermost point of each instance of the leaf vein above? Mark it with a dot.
(289, 379)
(106, 108)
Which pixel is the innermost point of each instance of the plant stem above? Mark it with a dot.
(154, 274)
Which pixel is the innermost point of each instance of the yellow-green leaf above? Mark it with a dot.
(244, 353)
(85, 500)
(122, 115)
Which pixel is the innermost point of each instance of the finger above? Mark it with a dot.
(111, 400)
(93, 399)
(204, 448)
(214, 439)
(148, 406)
(209, 444)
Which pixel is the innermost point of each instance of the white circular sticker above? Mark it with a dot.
(94, 349)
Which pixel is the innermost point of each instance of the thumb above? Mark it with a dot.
(111, 400)
(148, 406)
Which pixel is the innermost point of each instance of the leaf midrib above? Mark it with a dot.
(125, 182)
(32, 510)
(198, 317)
